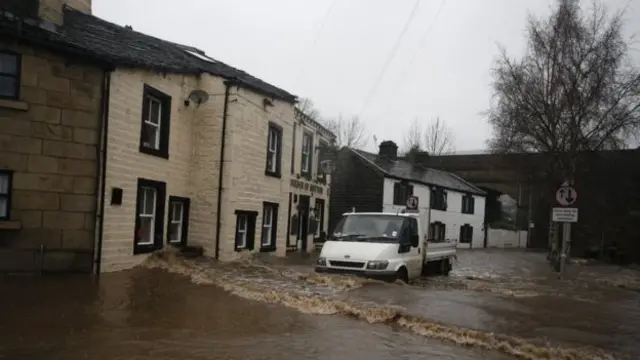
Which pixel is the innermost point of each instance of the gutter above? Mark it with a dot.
(227, 90)
(102, 167)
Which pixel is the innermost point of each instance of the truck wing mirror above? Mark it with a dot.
(415, 240)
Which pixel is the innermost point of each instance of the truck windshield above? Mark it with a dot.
(370, 228)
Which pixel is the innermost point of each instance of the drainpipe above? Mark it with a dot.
(102, 166)
(225, 111)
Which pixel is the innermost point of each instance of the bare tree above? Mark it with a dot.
(413, 138)
(573, 90)
(307, 107)
(438, 138)
(349, 132)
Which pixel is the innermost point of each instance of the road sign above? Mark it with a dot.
(566, 195)
(565, 215)
(412, 203)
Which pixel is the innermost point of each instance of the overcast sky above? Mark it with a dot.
(333, 51)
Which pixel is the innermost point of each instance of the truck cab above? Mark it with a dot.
(387, 246)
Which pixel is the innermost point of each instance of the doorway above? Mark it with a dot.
(303, 221)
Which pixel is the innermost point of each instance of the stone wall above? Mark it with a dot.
(49, 139)
(52, 10)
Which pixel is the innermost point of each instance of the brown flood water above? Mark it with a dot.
(194, 309)
(150, 314)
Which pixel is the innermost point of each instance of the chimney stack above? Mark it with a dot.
(389, 150)
(52, 10)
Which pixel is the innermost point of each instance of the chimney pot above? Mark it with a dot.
(389, 150)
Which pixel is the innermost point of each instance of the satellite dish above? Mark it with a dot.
(198, 96)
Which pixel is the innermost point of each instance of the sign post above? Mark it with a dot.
(566, 215)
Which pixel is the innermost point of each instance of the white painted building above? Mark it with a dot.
(453, 207)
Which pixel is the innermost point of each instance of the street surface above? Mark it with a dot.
(496, 304)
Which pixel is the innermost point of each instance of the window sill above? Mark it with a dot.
(272, 174)
(14, 104)
(157, 153)
(10, 225)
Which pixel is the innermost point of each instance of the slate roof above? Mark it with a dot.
(96, 38)
(405, 170)
(125, 46)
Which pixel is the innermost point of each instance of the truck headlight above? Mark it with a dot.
(321, 262)
(377, 265)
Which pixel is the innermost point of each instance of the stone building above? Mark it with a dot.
(195, 151)
(308, 203)
(51, 114)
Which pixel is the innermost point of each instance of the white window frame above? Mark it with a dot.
(5, 194)
(267, 227)
(306, 153)
(149, 100)
(144, 215)
(272, 149)
(176, 221)
(242, 231)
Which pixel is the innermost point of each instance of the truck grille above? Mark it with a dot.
(347, 264)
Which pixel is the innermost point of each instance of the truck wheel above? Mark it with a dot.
(402, 275)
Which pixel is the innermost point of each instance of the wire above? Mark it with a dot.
(418, 48)
(392, 54)
(303, 68)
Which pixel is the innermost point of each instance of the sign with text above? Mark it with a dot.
(565, 215)
(304, 185)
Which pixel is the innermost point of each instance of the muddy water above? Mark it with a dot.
(194, 309)
(150, 314)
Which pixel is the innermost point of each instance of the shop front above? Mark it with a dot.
(308, 201)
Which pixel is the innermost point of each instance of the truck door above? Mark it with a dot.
(414, 256)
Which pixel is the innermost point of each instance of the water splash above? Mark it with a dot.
(311, 300)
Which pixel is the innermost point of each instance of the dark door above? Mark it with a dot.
(303, 222)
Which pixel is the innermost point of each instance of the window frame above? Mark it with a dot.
(272, 230)
(17, 76)
(164, 122)
(250, 230)
(466, 234)
(158, 219)
(402, 189)
(438, 198)
(468, 204)
(306, 171)
(278, 131)
(441, 230)
(323, 146)
(8, 195)
(184, 225)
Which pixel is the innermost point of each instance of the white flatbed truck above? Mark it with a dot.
(386, 246)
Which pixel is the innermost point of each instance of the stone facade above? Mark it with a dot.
(192, 168)
(48, 139)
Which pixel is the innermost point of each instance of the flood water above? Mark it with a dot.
(495, 305)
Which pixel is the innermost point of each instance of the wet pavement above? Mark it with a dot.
(495, 305)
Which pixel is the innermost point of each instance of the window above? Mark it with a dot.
(307, 153)
(320, 217)
(269, 227)
(6, 178)
(245, 229)
(438, 198)
(401, 192)
(156, 113)
(468, 204)
(437, 231)
(9, 75)
(149, 216)
(178, 227)
(323, 146)
(466, 234)
(293, 148)
(274, 150)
